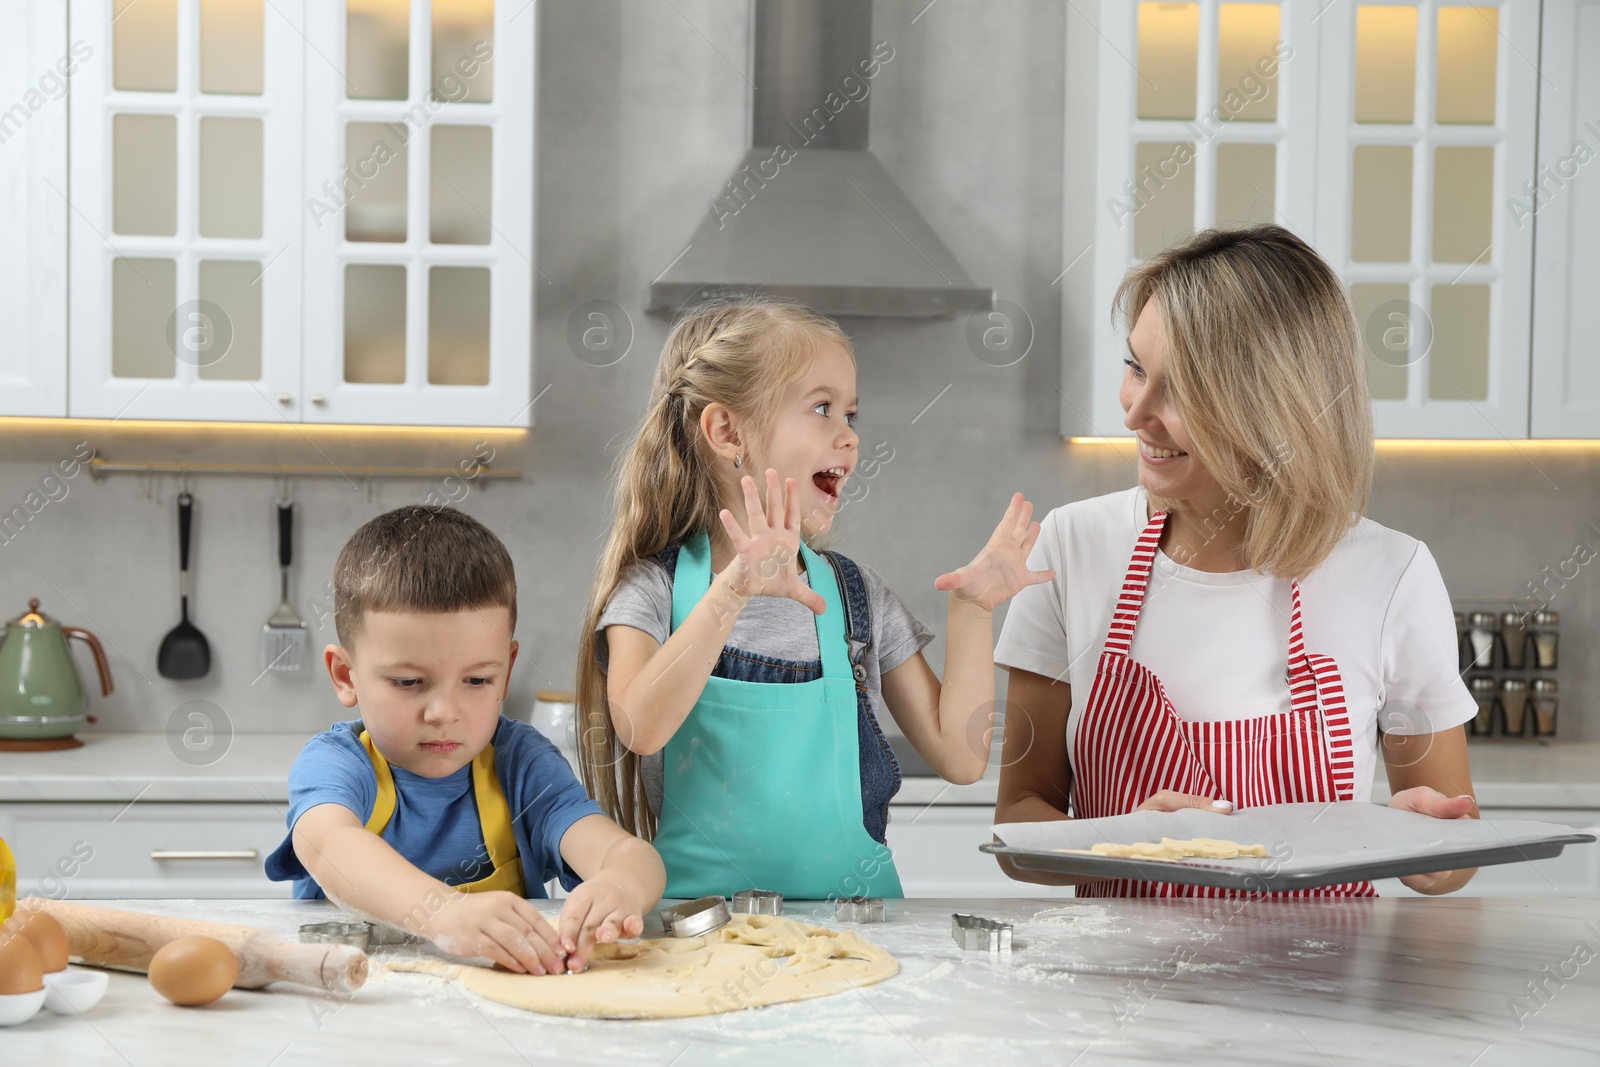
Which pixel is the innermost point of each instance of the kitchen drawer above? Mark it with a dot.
(1574, 873)
(147, 849)
(936, 852)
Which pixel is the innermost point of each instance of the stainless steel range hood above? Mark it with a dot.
(810, 213)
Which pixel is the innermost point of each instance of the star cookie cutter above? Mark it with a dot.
(858, 910)
(757, 902)
(978, 934)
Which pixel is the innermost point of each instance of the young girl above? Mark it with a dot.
(730, 676)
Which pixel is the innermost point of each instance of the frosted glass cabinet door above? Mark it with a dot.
(1204, 115)
(419, 232)
(185, 230)
(1428, 110)
(33, 239)
(1566, 216)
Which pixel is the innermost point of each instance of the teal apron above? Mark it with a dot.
(761, 785)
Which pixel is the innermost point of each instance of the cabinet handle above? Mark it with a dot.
(284, 398)
(317, 398)
(217, 854)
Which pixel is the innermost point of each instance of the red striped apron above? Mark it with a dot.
(1131, 744)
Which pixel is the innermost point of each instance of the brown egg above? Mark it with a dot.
(48, 938)
(20, 969)
(193, 970)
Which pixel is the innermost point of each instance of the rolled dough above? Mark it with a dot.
(1208, 848)
(754, 961)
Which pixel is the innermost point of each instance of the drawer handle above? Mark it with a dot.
(218, 854)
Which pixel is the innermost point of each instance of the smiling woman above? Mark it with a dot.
(1259, 642)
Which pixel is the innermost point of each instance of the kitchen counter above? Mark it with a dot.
(1314, 982)
(255, 767)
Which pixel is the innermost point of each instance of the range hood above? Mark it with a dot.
(810, 213)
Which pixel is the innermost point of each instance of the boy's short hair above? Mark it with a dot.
(419, 558)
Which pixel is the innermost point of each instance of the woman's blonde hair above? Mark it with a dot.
(740, 353)
(1266, 370)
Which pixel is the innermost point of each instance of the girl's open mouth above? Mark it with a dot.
(829, 481)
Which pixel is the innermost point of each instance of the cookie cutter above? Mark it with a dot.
(757, 902)
(695, 917)
(858, 909)
(358, 935)
(362, 935)
(978, 934)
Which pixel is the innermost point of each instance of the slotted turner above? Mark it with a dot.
(285, 637)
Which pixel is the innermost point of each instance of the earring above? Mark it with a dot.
(738, 461)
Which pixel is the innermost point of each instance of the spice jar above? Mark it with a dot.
(1543, 635)
(1514, 707)
(1543, 702)
(1483, 691)
(1515, 639)
(1484, 646)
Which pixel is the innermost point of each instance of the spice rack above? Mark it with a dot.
(1509, 660)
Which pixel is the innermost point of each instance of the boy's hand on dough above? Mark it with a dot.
(765, 563)
(500, 926)
(600, 910)
(1000, 571)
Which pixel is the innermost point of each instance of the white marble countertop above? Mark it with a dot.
(255, 768)
(1447, 981)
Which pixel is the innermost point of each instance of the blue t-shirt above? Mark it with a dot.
(435, 823)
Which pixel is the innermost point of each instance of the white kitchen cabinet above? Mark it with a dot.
(147, 849)
(1388, 134)
(35, 64)
(1574, 873)
(186, 257)
(1428, 117)
(936, 854)
(1563, 209)
(303, 212)
(419, 214)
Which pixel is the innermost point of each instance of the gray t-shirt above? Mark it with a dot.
(772, 626)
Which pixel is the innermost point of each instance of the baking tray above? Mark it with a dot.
(1309, 845)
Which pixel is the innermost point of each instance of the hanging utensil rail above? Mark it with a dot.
(99, 468)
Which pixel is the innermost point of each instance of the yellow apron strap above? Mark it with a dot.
(383, 807)
(494, 818)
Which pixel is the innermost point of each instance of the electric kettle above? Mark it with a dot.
(41, 702)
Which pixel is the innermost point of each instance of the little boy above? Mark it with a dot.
(433, 811)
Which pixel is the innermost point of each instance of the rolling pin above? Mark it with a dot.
(125, 940)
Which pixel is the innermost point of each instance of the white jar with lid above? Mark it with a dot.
(554, 715)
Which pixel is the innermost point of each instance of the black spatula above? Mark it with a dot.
(184, 651)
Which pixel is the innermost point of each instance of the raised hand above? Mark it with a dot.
(765, 559)
(1000, 570)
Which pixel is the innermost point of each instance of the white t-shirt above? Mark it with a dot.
(1219, 642)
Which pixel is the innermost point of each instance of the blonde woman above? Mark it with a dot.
(731, 677)
(1232, 632)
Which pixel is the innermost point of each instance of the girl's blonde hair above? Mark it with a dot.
(1266, 369)
(741, 353)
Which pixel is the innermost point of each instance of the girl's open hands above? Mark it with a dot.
(1000, 571)
(765, 564)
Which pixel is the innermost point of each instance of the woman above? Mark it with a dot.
(1232, 632)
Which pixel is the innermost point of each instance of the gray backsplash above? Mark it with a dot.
(642, 114)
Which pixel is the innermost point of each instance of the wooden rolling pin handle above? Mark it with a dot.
(126, 940)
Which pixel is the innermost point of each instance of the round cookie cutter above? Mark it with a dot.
(695, 917)
(757, 902)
